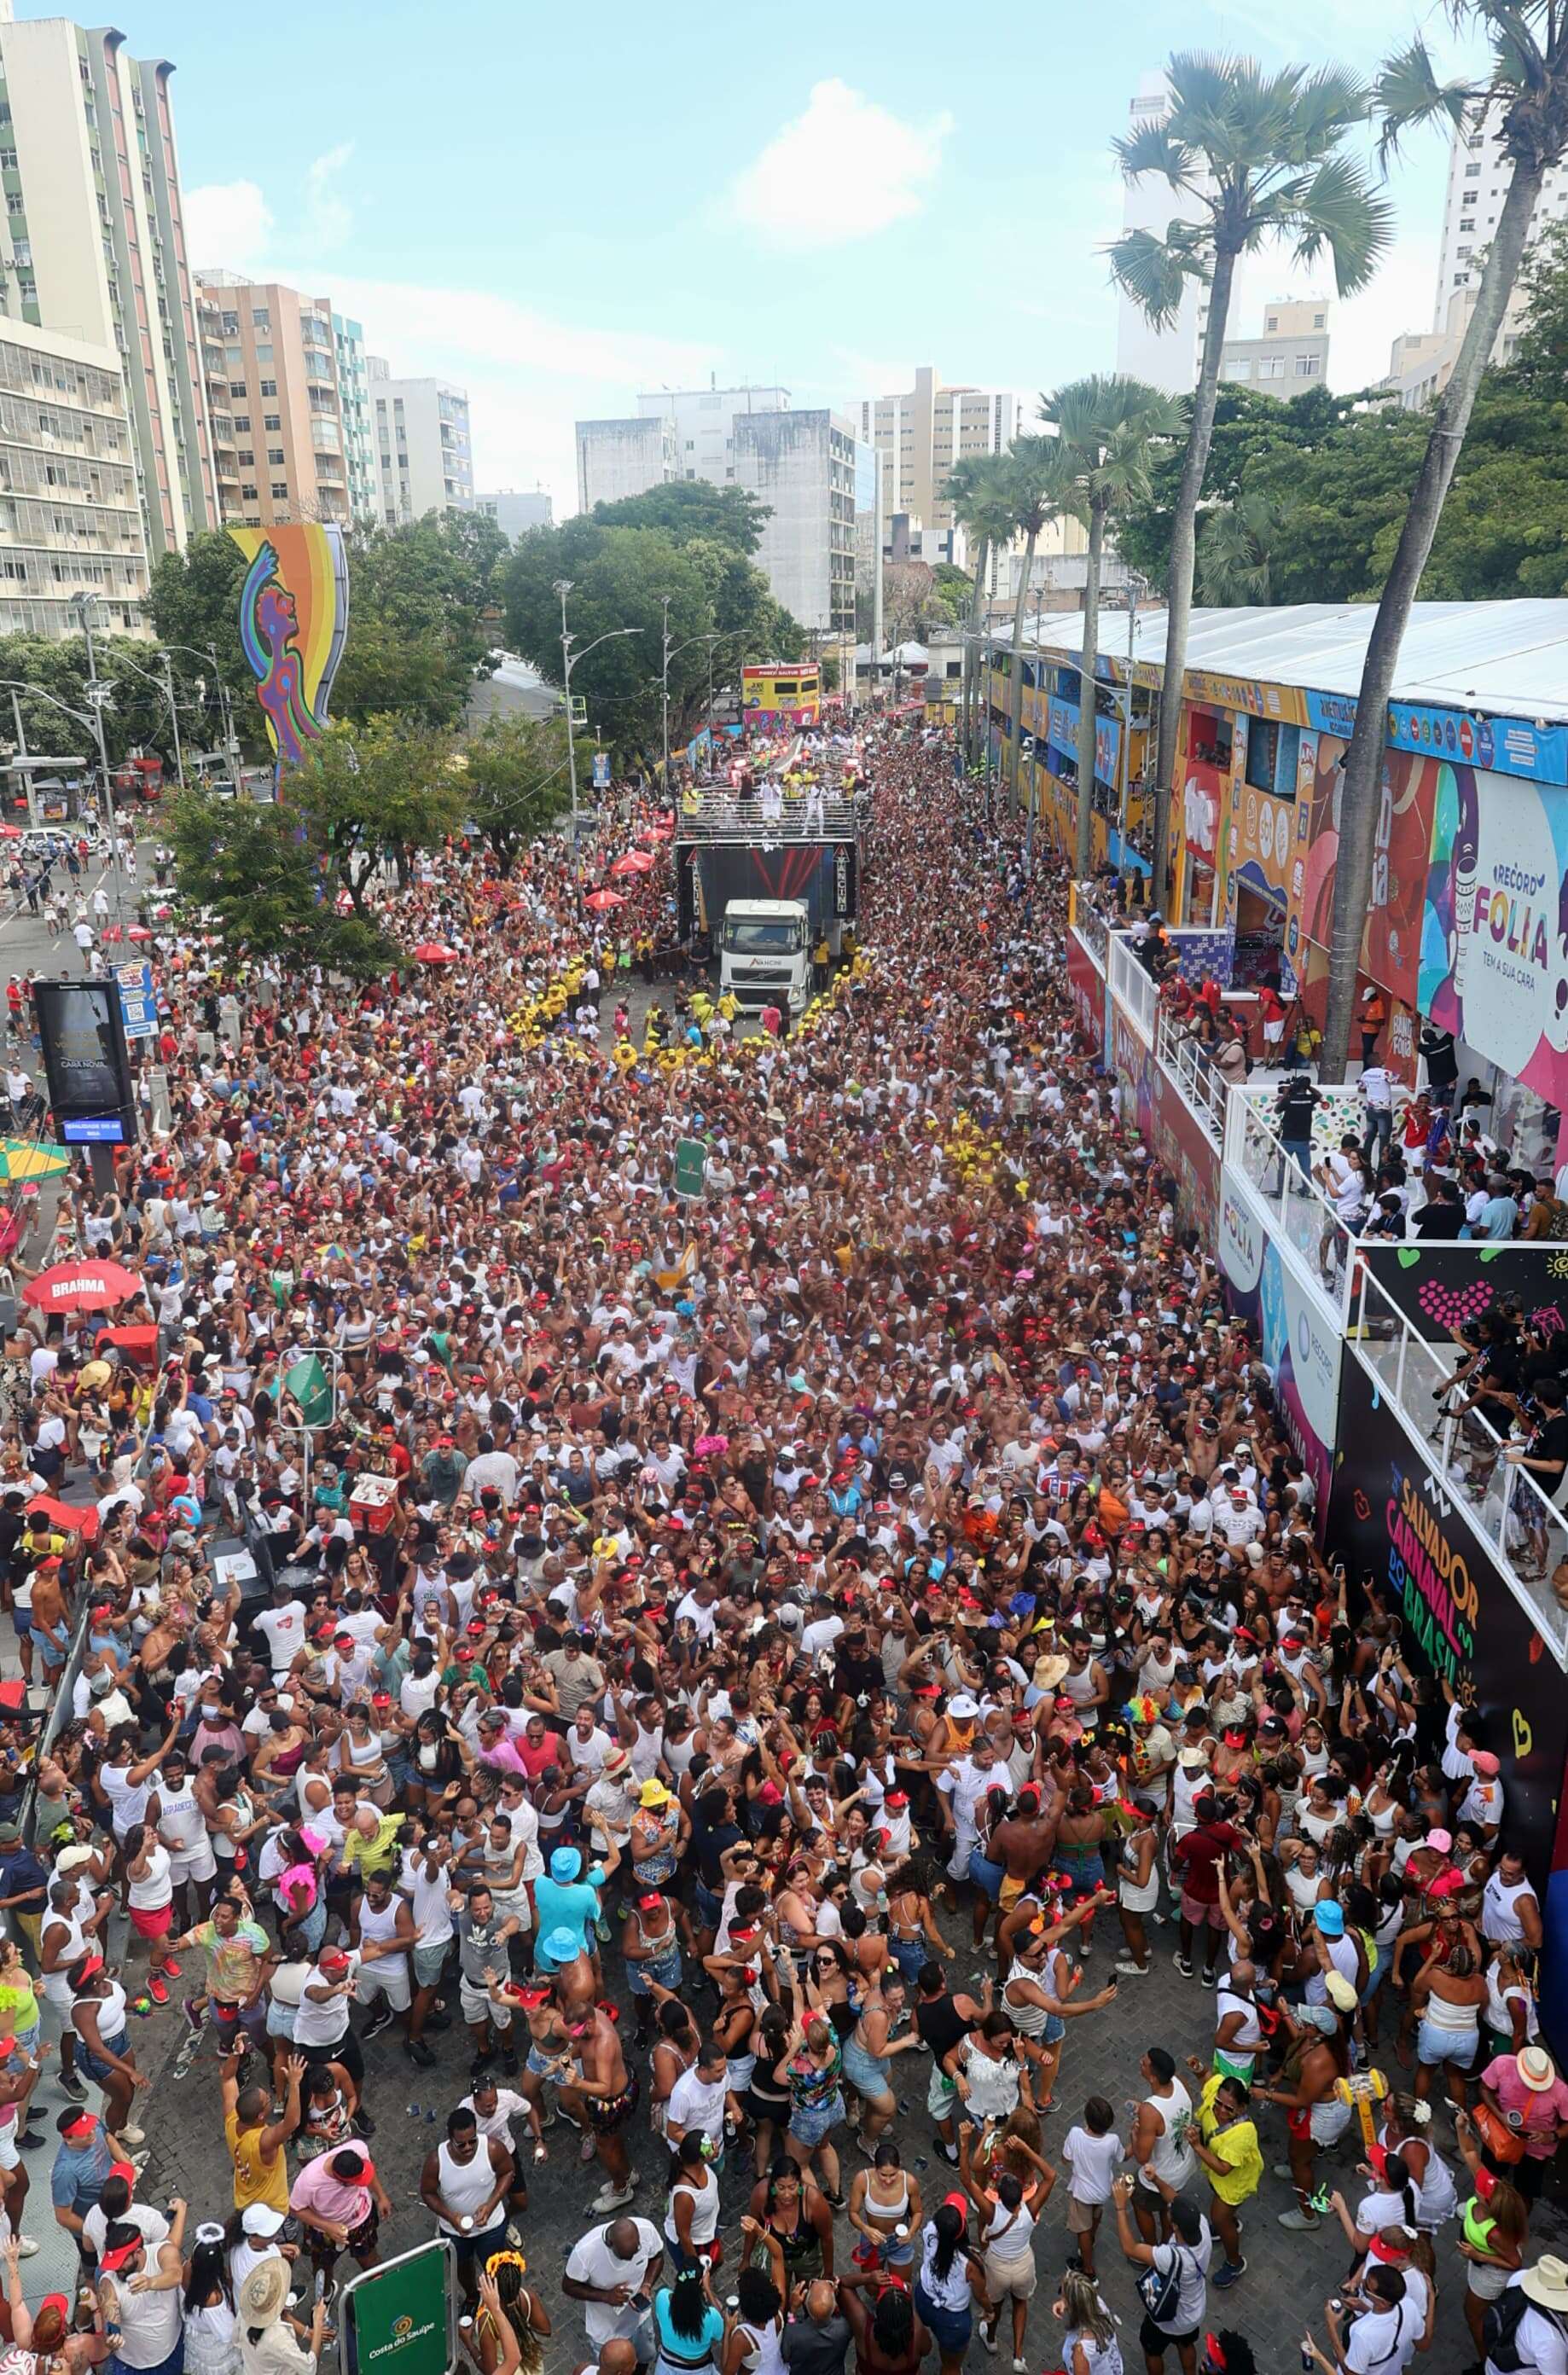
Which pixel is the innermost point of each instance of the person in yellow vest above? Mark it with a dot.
(729, 1005)
(821, 959)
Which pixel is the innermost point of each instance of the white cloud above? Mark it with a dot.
(227, 225)
(844, 170)
(328, 216)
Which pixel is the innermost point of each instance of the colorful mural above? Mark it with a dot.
(1300, 1342)
(1494, 939)
(293, 624)
(1391, 942)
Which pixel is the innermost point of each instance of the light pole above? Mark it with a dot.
(225, 706)
(96, 692)
(664, 684)
(166, 683)
(673, 652)
(1136, 587)
(568, 659)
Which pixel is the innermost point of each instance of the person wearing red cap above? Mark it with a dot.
(138, 2291)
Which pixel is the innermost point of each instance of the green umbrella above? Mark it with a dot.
(20, 1159)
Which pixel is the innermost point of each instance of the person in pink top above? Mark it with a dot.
(1524, 2089)
(340, 2202)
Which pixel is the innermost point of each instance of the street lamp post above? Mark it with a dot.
(664, 684)
(711, 636)
(568, 659)
(96, 692)
(225, 706)
(1136, 587)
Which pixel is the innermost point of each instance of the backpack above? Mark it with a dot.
(1502, 2324)
(1161, 2292)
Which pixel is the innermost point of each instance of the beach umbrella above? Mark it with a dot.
(598, 901)
(435, 952)
(636, 861)
(20, 1161)
(67, 1517)
(82, 1286)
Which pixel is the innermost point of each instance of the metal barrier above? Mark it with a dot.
(722, 817)
(1092, 928)
(1132, 986)
(1188, 1063)
(1526, 1532)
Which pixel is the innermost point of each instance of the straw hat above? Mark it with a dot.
(263, 2292)
(1546, 2281)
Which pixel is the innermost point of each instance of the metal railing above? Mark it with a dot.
(1133, 986)
(1091, 928)
(720, 817)
(1302, 1213)
(1526, 1532)
(1192, 1067)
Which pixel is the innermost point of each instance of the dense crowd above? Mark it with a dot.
(683, 1630)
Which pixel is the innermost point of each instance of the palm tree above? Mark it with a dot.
(1109, 424)
(1235, 550)
(1256, 158)
(1527, 83)
(1042, 486)
(977, 490)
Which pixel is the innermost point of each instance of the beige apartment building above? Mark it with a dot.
(70, 519)
(923, 432)
(269, 357)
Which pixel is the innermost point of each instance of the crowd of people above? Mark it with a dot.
(705, 1649)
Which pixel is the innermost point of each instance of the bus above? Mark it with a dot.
(779, 693)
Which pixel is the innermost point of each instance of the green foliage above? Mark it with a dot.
(244, 873)
(136, 712)
(954, 587)
(688, 508)
(517, 781)
(362, 793)
(619, 578)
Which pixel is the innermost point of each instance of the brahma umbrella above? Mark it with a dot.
(435, 952)
(598, 901)
(636, 861)
(82, 1286)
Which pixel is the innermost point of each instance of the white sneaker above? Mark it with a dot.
(1130, 1971)
(26, 2247)
(132, 2135)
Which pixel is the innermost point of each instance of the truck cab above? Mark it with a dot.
(765, 953)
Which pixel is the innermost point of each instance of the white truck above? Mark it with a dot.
(765, 953)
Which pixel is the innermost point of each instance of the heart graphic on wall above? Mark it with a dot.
(1453, 1306)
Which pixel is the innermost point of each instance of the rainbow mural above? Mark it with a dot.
(293, 624)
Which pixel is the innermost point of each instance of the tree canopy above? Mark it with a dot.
(686, 508)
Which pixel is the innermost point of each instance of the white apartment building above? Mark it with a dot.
(1479, 175)
(803, 465)
(70, 517)
(622, 457)
(424, 453)
(1166, 358)
(92, 243)
(517, 510)
(923, 432)
(354, 412)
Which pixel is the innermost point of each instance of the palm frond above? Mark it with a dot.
(1235, 548)
(1407, 94)
(1154, 272)
(1042, 476)
(1153, 148)
(1325, 104)
(1343, 212)
(1515, 47)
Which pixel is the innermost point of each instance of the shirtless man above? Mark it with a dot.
(1318, 2056)
(602, 2099)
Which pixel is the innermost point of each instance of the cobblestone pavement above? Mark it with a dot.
(1289, 2276)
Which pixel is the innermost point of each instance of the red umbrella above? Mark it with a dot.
(69, 1520)
(138, 932)
(82, 1286)
(10, 832)
(599, 900)
(636, 861)
(435, 952)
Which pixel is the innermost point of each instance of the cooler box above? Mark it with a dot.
(371, 1502)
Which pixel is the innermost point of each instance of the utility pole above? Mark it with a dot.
(174, 717)
(82, 604)
(564, 587)
(226, 715)
(22, 753)
(664, 682)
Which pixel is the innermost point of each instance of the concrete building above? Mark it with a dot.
(424, 453)
(70, 517)
(1478, 176)
(271, 361)
(804, 466)
(616, 458)
(354, 412)
(515, 511)
(909, 538)
(1291, 355)
(922, 433)
(92, 243)
(1166, 358)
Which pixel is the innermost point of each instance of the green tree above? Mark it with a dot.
(381, 790)
(1111, 426)
(515, 781)
(1526, 95)
(688, 508)
(242, 872)
(1235, 549)
(1255, 158)
(1043, 485)
(1249, 428)
(982, 500)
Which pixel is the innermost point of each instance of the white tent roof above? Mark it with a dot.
(1503, 658)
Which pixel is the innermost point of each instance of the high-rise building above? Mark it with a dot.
(1479, 172)
(70, 517)
(515, 511)
(354, 411)
(424, 455)
(92, 243)
(1291, 355)
(676, 432)
(1166, 357)
(271, 361)
(920, 436)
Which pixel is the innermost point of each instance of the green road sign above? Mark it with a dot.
(690, 1159)
(401, 2319)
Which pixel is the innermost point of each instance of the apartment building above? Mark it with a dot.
(70, 513)
(93, 245)
(1289, 356)
(923, 432)
(354, 411)
(515, 510)
(424, 452)
(1478, 176)
(802, 465)
(270, 357)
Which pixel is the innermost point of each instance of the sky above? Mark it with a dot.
(558, 207)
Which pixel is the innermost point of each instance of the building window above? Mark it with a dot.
(276, 456)
(247, 460)
(1307, 366)
(264, 354)
(269, 388)
(1464, 253)
(1320, 321)
(242, 421)
(236, 387)
(1237, 367)
(1472, 172)
(260, 318)
(272, 420)
(1466, 222)
(1271, 366)
(280, 490)
(248, 494)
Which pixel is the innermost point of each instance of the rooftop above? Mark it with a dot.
(1507, 658)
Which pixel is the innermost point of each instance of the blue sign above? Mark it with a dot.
(94, 1129)
(601, 770)
(1503, 746)
(1063, 733)
(138, 1004)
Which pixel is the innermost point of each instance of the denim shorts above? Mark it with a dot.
(94, 2063)
(809, 2126)
(952, 2327)
(1436, 2046)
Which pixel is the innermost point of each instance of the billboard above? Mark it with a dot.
(1407, 1542)
(1390, 948)
(1494, 932)
(1440, 1288)
(82, 1035)
(293, 624)
(1087, 985)
(1300, 1342)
